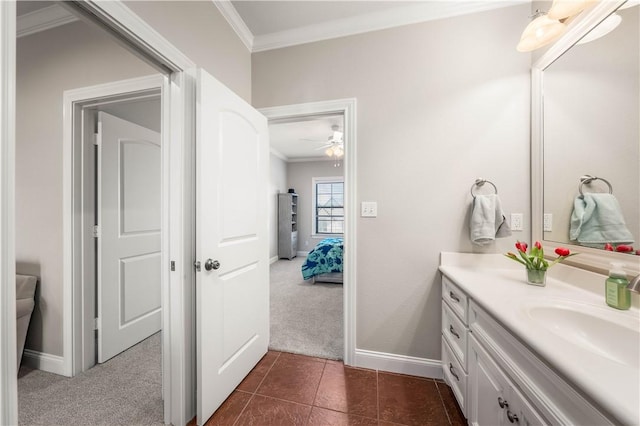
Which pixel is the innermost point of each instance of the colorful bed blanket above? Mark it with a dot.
(325, 257)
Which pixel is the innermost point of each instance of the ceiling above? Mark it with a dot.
(265, 17)
(301, 140)
(265, 24)
(24, 7)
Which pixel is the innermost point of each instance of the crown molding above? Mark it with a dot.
(413, 14)
(233, 18)
(278, 154)
(42, 20)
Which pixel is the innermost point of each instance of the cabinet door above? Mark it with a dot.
(521, 412)
(487, 389)
(492, 398)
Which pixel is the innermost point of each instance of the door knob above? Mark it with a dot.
(211, 264)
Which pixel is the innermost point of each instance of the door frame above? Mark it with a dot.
(78, 189)
(177, 183)
(346, 107)
(8, 373)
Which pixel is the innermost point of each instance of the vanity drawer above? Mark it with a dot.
(454, 375)
(455, 298)
(455, 333)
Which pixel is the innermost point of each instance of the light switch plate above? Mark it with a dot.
(516, 221)
(369, 209)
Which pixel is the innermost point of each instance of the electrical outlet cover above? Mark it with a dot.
(517, 220)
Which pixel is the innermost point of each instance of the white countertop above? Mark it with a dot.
(498, 285)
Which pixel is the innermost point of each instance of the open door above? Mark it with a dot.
(128, 232)
(232, 278)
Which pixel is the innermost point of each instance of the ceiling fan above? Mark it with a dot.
(335, 143)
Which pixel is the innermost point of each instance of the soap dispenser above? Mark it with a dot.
(616, 292)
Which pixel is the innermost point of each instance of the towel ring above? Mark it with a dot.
(587, 179)
(480, 182)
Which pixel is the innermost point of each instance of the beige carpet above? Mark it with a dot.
(126, 390)
(305, 318)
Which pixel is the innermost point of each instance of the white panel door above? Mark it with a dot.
(128, 258)
(232, 287)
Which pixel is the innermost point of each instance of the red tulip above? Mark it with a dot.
(624, 248)
(538, 245)
(521, 246)
(561, 251)
(637, 252)
(608, 247)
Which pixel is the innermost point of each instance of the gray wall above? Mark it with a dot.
(277, 184)
(439, 104)
(146, 113)
(74, 56)
(299, 176)
(199, 30)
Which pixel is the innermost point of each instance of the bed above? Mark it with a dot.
(324, 263)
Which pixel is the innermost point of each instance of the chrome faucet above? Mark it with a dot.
(634, 285)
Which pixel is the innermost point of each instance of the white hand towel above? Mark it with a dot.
(487, 220)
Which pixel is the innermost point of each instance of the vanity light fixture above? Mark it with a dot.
(540, 32)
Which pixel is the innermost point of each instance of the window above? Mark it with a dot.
(329, 205)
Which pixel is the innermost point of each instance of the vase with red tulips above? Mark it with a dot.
(535, 263)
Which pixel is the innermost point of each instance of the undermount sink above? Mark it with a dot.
(600, 330)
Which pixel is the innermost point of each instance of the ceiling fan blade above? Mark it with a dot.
(324, 146)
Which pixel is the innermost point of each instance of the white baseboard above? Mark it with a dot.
(44, 361)
(421, 367)
(274, 259)
(302, 253)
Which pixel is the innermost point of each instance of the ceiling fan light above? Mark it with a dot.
(540, 32)
(561, 9)
(329, 151)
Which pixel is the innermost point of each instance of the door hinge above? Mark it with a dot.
(173, 265)
(96, 324)
(96, 139)
(97, 232)
(197, 265)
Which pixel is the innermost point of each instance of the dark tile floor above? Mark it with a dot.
(288, 389)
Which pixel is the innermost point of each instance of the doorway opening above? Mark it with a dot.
(114, 132)
(177, 183)
(121, 250)
(320, 188)
(307, 247)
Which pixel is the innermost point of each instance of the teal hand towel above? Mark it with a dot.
(487, 220)
(597, 219)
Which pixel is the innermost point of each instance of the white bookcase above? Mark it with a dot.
(287, 225)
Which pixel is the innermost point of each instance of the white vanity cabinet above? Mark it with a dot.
(455, 334)
(496, 379)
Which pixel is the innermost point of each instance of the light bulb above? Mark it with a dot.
(540, 32)
(561, 9)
